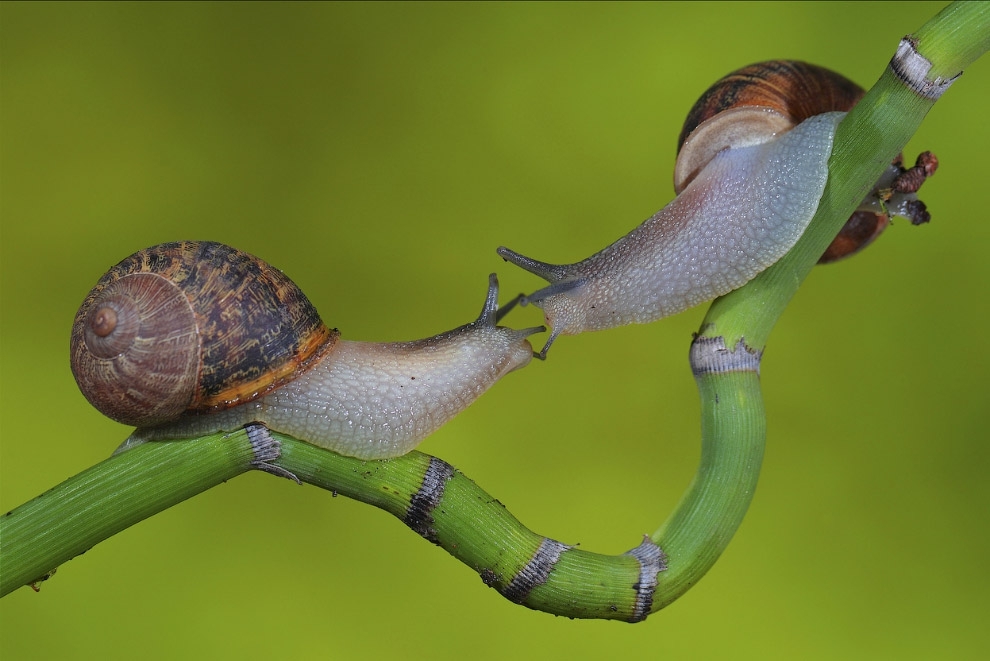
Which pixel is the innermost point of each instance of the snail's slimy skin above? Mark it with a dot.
(745, 209)
(375, 400)
(371, 400)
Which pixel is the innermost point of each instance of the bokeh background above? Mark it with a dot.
(379, 153)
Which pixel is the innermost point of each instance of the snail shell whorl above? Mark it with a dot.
(191, 327)
(751, 104)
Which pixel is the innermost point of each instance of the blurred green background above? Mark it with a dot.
(379, 153)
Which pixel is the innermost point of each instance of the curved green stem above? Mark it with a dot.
(733, 428)
(445, 507)
(733, 432)
(71, 518)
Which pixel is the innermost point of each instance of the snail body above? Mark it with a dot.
(683, 254)
(185, 339)
(752, 165)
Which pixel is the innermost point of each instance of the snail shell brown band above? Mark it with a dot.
(205, 325)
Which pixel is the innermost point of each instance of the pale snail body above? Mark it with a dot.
(375, 400)
(749, 176)
(242, 344)
(683, 255)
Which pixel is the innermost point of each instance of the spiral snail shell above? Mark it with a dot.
(188, 338)
(751, 167)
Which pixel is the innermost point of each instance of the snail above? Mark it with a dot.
(751, 166)
(185, 339)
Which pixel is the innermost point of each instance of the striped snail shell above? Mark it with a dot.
(753, 105)
(772, 97)
(751, 167)
(191, 328)
(184, 339)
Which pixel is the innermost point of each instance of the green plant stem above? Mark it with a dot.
(956, 37)
(71, 518)
(452, 511)
(733, 426)
(474, 527)
(733, 432)
(867, 140)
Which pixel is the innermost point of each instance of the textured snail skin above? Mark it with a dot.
(374, 401)
(741, 213)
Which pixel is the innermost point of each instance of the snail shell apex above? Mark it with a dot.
(191, 327)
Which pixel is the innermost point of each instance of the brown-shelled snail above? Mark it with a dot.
(185, 339)
(751, 167)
